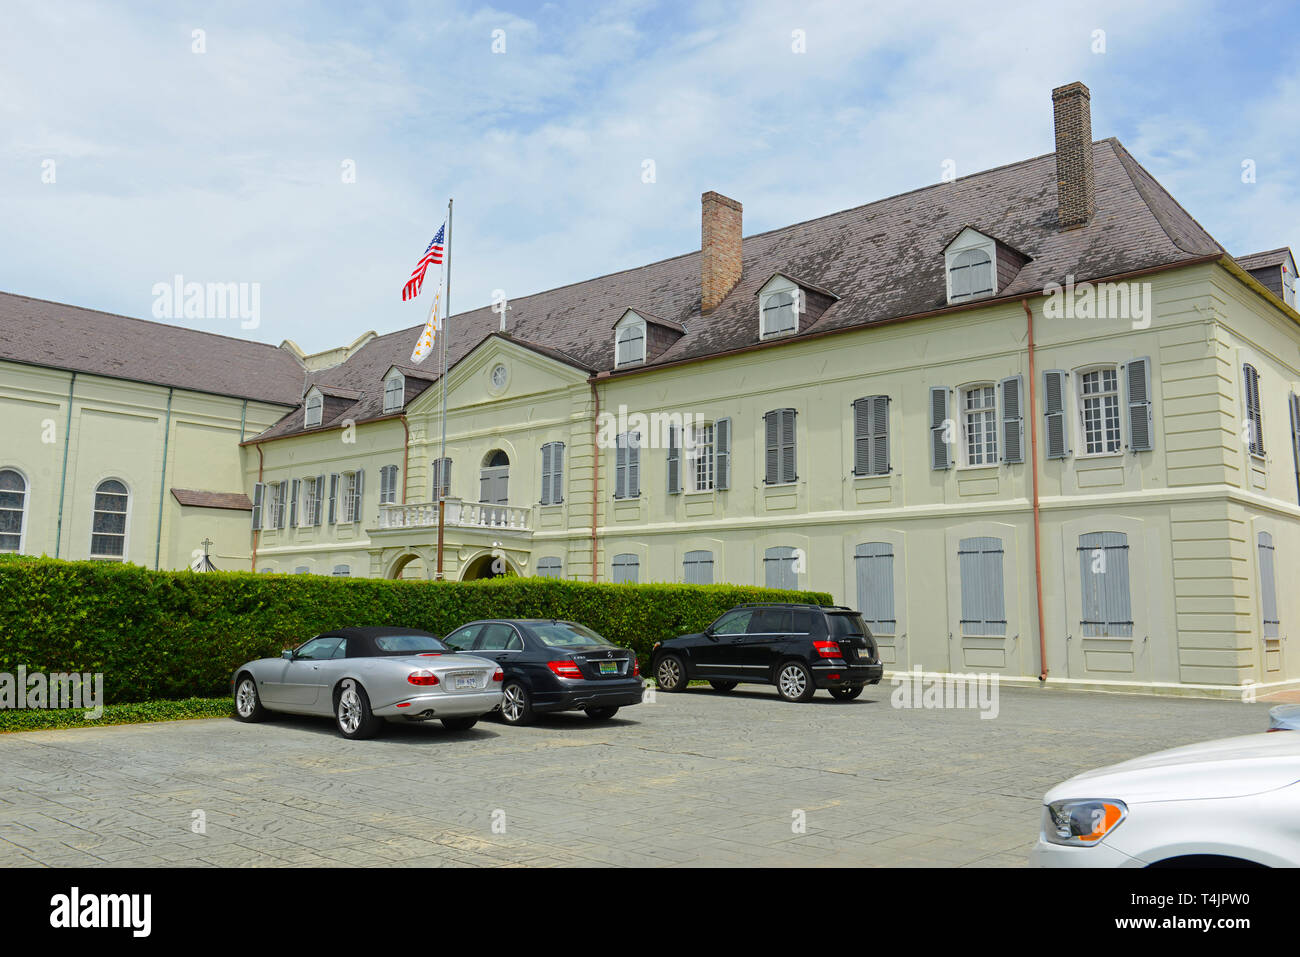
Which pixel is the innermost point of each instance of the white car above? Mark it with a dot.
(1231, 802)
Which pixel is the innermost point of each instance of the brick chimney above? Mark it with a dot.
(1072, 111)
(719, 248)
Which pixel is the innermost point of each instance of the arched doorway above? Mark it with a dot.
(494, 478)
(409, 567)
(488, 565)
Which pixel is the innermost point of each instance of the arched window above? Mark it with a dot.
(312, 411)
(494, 478)
(697, 567)
(780, 567)
(13, 510)
(971, 274)
(108, 531)
(627, 568)
(631, 344)
(394, 392)
(780, 314)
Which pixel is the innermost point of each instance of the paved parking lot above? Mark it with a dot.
(699, 778)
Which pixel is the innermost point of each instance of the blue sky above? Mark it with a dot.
(226, 165)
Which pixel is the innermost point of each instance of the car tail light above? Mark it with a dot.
(498, 675)
(636, 667)
(833, 677)
(828, 649)
(422, 678)
(564, 669)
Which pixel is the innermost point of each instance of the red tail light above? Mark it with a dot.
(636, 667)
(828, 649)
(422, 678)
(564, 669)
(499, 675)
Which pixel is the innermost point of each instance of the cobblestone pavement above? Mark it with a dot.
(699, 778)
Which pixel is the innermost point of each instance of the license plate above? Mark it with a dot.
(466, 681)
(608, 667)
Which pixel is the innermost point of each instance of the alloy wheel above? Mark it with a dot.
(670, 673)
(349, 711)
(246, 698)
(792, 681)
(512, 702)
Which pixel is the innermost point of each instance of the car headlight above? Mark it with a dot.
(1081, 823)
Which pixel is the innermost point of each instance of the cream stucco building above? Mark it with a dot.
(1032, 420)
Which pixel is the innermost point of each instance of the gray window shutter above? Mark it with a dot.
(778, 567)
(626, 567)
(1013, 424)
(1268, 585)
(940, 453)
(722, 453)
(620, 467)
(788, 458)
(546, 475)
(1104, 578)
(674, 461)
(259, 490)
(320, 492)
(1137, 378)
(879, 435)
(356, 501)
(772, 456)
(1251, 383)
(1056, 431)
(1293, 402)
(334, 497)
(874, 565)
(697, 568)
(861, 437)
(557, 473)
(634, 465)
(294, 495)
(281, 497)
(983, 609)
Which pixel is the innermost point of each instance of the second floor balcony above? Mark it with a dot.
(459, 514)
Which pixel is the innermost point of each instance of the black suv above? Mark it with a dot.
(798, 648)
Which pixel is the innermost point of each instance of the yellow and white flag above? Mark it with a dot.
(424, 345)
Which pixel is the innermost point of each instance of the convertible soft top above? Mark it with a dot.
(361, 641)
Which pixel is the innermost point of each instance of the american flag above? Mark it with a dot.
(431, 255)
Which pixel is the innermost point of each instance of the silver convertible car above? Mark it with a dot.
(364, 676)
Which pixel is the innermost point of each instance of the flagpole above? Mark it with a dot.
(442, 378)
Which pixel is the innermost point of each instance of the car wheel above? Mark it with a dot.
(723, 685)
(248, 706)
(670, 673)
(794, 682)
(601, 714)
(846, 694)
(352, 712)
(459, 724)
(516, 704)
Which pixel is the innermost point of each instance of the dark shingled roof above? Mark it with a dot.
(59, 336)
(883, 261)
(237, 501)
(1273, 257)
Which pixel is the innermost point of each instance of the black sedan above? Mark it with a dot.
(553, 666)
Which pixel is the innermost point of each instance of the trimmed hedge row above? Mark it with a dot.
(179, 634)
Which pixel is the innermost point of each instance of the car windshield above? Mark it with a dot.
(846, 625)
(565, 634)
(409, 644)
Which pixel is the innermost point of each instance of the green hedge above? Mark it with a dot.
(140, 712)
(179, 634)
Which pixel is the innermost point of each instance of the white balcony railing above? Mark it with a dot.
(459, 514)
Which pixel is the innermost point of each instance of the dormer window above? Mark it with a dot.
(970, 275)
(629, 338)
(780, 313)
(312, 409)
(394, 391)
(975, 265)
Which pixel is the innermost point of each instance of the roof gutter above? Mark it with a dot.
(1033, 471)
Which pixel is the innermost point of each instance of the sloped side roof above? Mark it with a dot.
(883, 260)
(59, 336)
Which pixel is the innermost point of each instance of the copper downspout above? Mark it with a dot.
(406, 454)
(1033, 470)
(595, 479)
(257, 532)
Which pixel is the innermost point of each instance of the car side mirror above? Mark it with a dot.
(287, 654)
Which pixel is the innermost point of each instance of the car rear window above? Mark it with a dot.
(846, 624)
(409, 644)
(561, 634)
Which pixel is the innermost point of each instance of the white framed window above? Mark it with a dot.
(630, 340)
(312, 411)
(13, 510)
(979, 424)
(312, 496)
(388, 485)
(274, 499)
(394, 391)
(1099, 410)
(108, 528)
(350, 491)
(700, 457)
